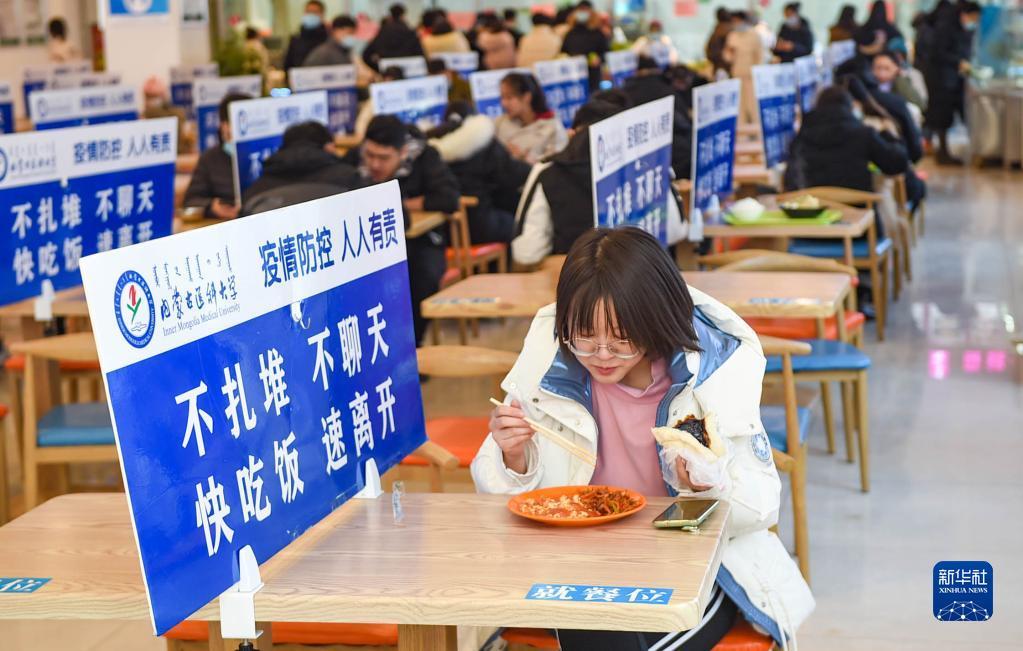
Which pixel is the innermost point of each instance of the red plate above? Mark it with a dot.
(516, 503)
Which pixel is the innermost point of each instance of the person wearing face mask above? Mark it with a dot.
(949, 66)
(310, 35)
(891, 78)
(656, 35)
(743, 51)
(157, 105)
(585, 38)
(795, 39)
(212, 184)
(339, 49)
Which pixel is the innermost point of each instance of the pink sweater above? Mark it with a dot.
(626, 450)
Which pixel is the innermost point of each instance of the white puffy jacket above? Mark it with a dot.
(724, 378)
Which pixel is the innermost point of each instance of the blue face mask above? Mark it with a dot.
(792, 21)
(858, 113)
(970, 26)
(349, 41)
(229, 148)
(311, 21)
(582, 17)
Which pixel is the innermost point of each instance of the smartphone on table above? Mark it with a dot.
(685, 514)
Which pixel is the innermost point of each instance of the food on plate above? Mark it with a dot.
(587, 503)
(697, 434)
(803, 202)
(747, 209)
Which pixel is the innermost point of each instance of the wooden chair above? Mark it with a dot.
(4, 505)
(460, 436)
(786, 428)
(914, 217)
(870, 255)
(54, 433)
(904, 224)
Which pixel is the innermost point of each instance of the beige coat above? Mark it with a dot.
(541, 44)
(453, 41)
(743, 50)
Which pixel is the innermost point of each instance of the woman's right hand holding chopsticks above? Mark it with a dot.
(511, 432)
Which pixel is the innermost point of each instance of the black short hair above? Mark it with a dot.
(584, 4)
(540, 18)
(969, 8)
(629, 273)
(225, 103)
(57, 28)
(387, 131)
(436, 66)
(834, 96)
(646, 62)
(614, 96)
(344, 21)
(888, 54)
(397, 11)
(251, 33)
(306, 133)
(441, 26)
(396, 73)
(317, 3)
(510, 14)
(793, 6)
(521, 83)
(594, 111)
(723, 15)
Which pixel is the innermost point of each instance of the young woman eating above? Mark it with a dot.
(627, 347)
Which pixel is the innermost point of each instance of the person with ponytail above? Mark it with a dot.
(528, 128)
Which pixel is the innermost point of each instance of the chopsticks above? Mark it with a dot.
(555, 438)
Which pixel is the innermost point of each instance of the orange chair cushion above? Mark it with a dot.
(743, 637)
(3, 410)
(804, 328)
(480, 250)
(461, 437)
(450, 277)
(302, 633)
(538, 638)
(16, 364)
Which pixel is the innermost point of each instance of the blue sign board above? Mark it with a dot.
(808, 80)
(411, 66)
(181, 78)
(72, 192)
(566, 83)
(39, 76)
(75, 107)
(206, 95)
(622, 64)
(775, 88)
(463, 63)
(421, 101)
(342, 96)
(715, 112)
(630, 161)
(83, 80)
(610, 594)
(6, 108)
(486, 89)
(837, 53)
(258, 126)
(137, 8)
(286, 359)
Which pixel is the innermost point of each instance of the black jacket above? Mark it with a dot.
(834, 148)
(212, 179)
(641, 89)
(898, 108)
(302, 44)
(421, 174)
(300, 164)
(484, 170)
(395, 39)
(801, 38)
(581, 41)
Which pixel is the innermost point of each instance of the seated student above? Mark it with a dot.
(628, 347)
(887, 68)
(393, 150)
(212, 184)
(528, 128)
(306, 167)
(835, 147)
(458, 88)
(484, 170)
(339, 47)
(557, 201)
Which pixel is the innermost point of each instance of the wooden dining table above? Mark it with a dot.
(855, 222)
(455, 559)
(748, 293)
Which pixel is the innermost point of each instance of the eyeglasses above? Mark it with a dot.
(620, 348)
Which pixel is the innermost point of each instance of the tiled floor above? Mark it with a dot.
(946, 419)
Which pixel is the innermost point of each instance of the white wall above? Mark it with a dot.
(140, 47)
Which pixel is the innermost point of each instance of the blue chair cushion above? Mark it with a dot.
(76, 424)
(773, 418)
(835, 248)
(825, 355)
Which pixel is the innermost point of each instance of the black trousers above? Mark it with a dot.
(717, 621)
(426, 266)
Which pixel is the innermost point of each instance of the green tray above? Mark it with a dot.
(779, 218)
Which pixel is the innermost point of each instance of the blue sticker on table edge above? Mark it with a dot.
(599, 594)
(8, 585)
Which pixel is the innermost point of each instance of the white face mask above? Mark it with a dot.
(858, 112)
(792, 21)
